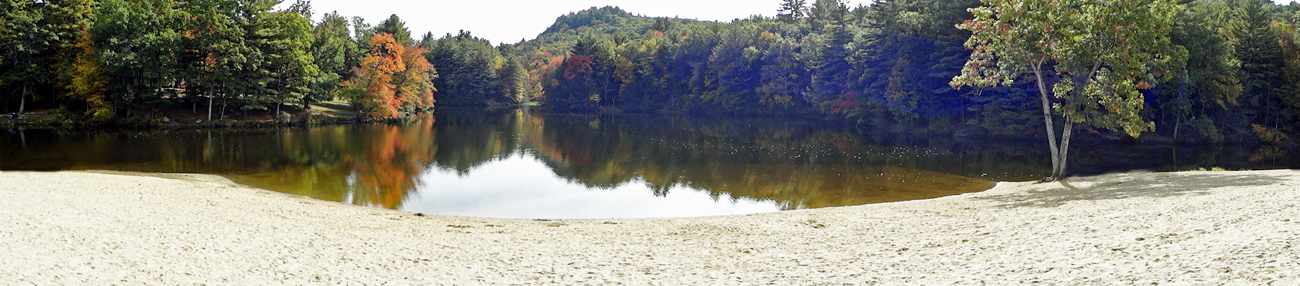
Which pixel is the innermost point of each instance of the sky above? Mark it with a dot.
(510, 21)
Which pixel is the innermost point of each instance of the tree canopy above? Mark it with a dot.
(1090, 60)
(885, 66)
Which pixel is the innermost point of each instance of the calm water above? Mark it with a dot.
(522, 164)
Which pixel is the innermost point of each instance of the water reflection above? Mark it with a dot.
(533, 191)
(372, 165)
(522, 164)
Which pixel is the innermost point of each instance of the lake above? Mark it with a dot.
(517, 163)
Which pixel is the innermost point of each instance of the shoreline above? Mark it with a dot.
(1235, 227)
(28, 123)
(322, 114)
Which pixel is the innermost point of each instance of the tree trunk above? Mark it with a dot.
(22, 100)
(1177, 122)
(1182, 99)
(223, 109)
(1047, 119)
(1065, 149)
(212, 94)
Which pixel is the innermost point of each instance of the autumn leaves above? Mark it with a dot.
(392, 80)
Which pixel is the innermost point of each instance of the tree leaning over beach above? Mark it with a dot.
(1092, 60)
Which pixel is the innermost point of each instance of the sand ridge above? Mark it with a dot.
(1192, 228)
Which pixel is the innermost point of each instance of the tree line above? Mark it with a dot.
(889, 65)
(122, 59)
(885, 66)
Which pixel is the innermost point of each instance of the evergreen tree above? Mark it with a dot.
(1207, 86)
(396, 27)
(288, 70)
(468, 69)
(792, 10)
(215, 51)
(1261, 59)
(333, 50)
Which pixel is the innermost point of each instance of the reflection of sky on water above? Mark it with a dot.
(523, 187)
(519, 164)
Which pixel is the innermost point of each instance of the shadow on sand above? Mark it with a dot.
(1126, 185)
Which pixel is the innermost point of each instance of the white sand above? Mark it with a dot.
(1198, 228)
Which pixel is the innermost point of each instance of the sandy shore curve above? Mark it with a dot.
(1190, 228)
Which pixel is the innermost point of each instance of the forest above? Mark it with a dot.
(883, 66)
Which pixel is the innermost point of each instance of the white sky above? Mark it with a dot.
(512, 20)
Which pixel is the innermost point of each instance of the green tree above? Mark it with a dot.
(783, 76)
(467, 68)
(792, 10)
(215, 49)
(1261, 60)
(1207, 86)
(512, 78)
(85, 80)
(137, 42)
(827, 12)
(284, 40)
(733, 68)
(331, 49)
(1096, 56)
(26, 37)
(361, 34)
(249, 89)
(396, 27)
(69, 19)
(828, 58)
(302, 8)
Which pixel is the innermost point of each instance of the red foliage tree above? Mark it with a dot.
(577, 65)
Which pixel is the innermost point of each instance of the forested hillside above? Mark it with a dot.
(885, 66)
(888, 66)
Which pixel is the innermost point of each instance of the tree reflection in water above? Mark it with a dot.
(792, 163)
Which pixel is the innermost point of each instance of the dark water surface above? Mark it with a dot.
(522, 164)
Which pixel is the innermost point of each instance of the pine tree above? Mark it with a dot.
(332, 49)
(397, 28)
(1261, 58)
(792, 11)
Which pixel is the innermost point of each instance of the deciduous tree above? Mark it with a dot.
(1091, 60)
(391, 80)
(136, 41)
(26, 36)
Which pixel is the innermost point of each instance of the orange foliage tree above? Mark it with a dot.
(87, 81)
(392, 80)
(541, 65)
(415, 85)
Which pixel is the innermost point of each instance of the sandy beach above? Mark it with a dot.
(1192, 228)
